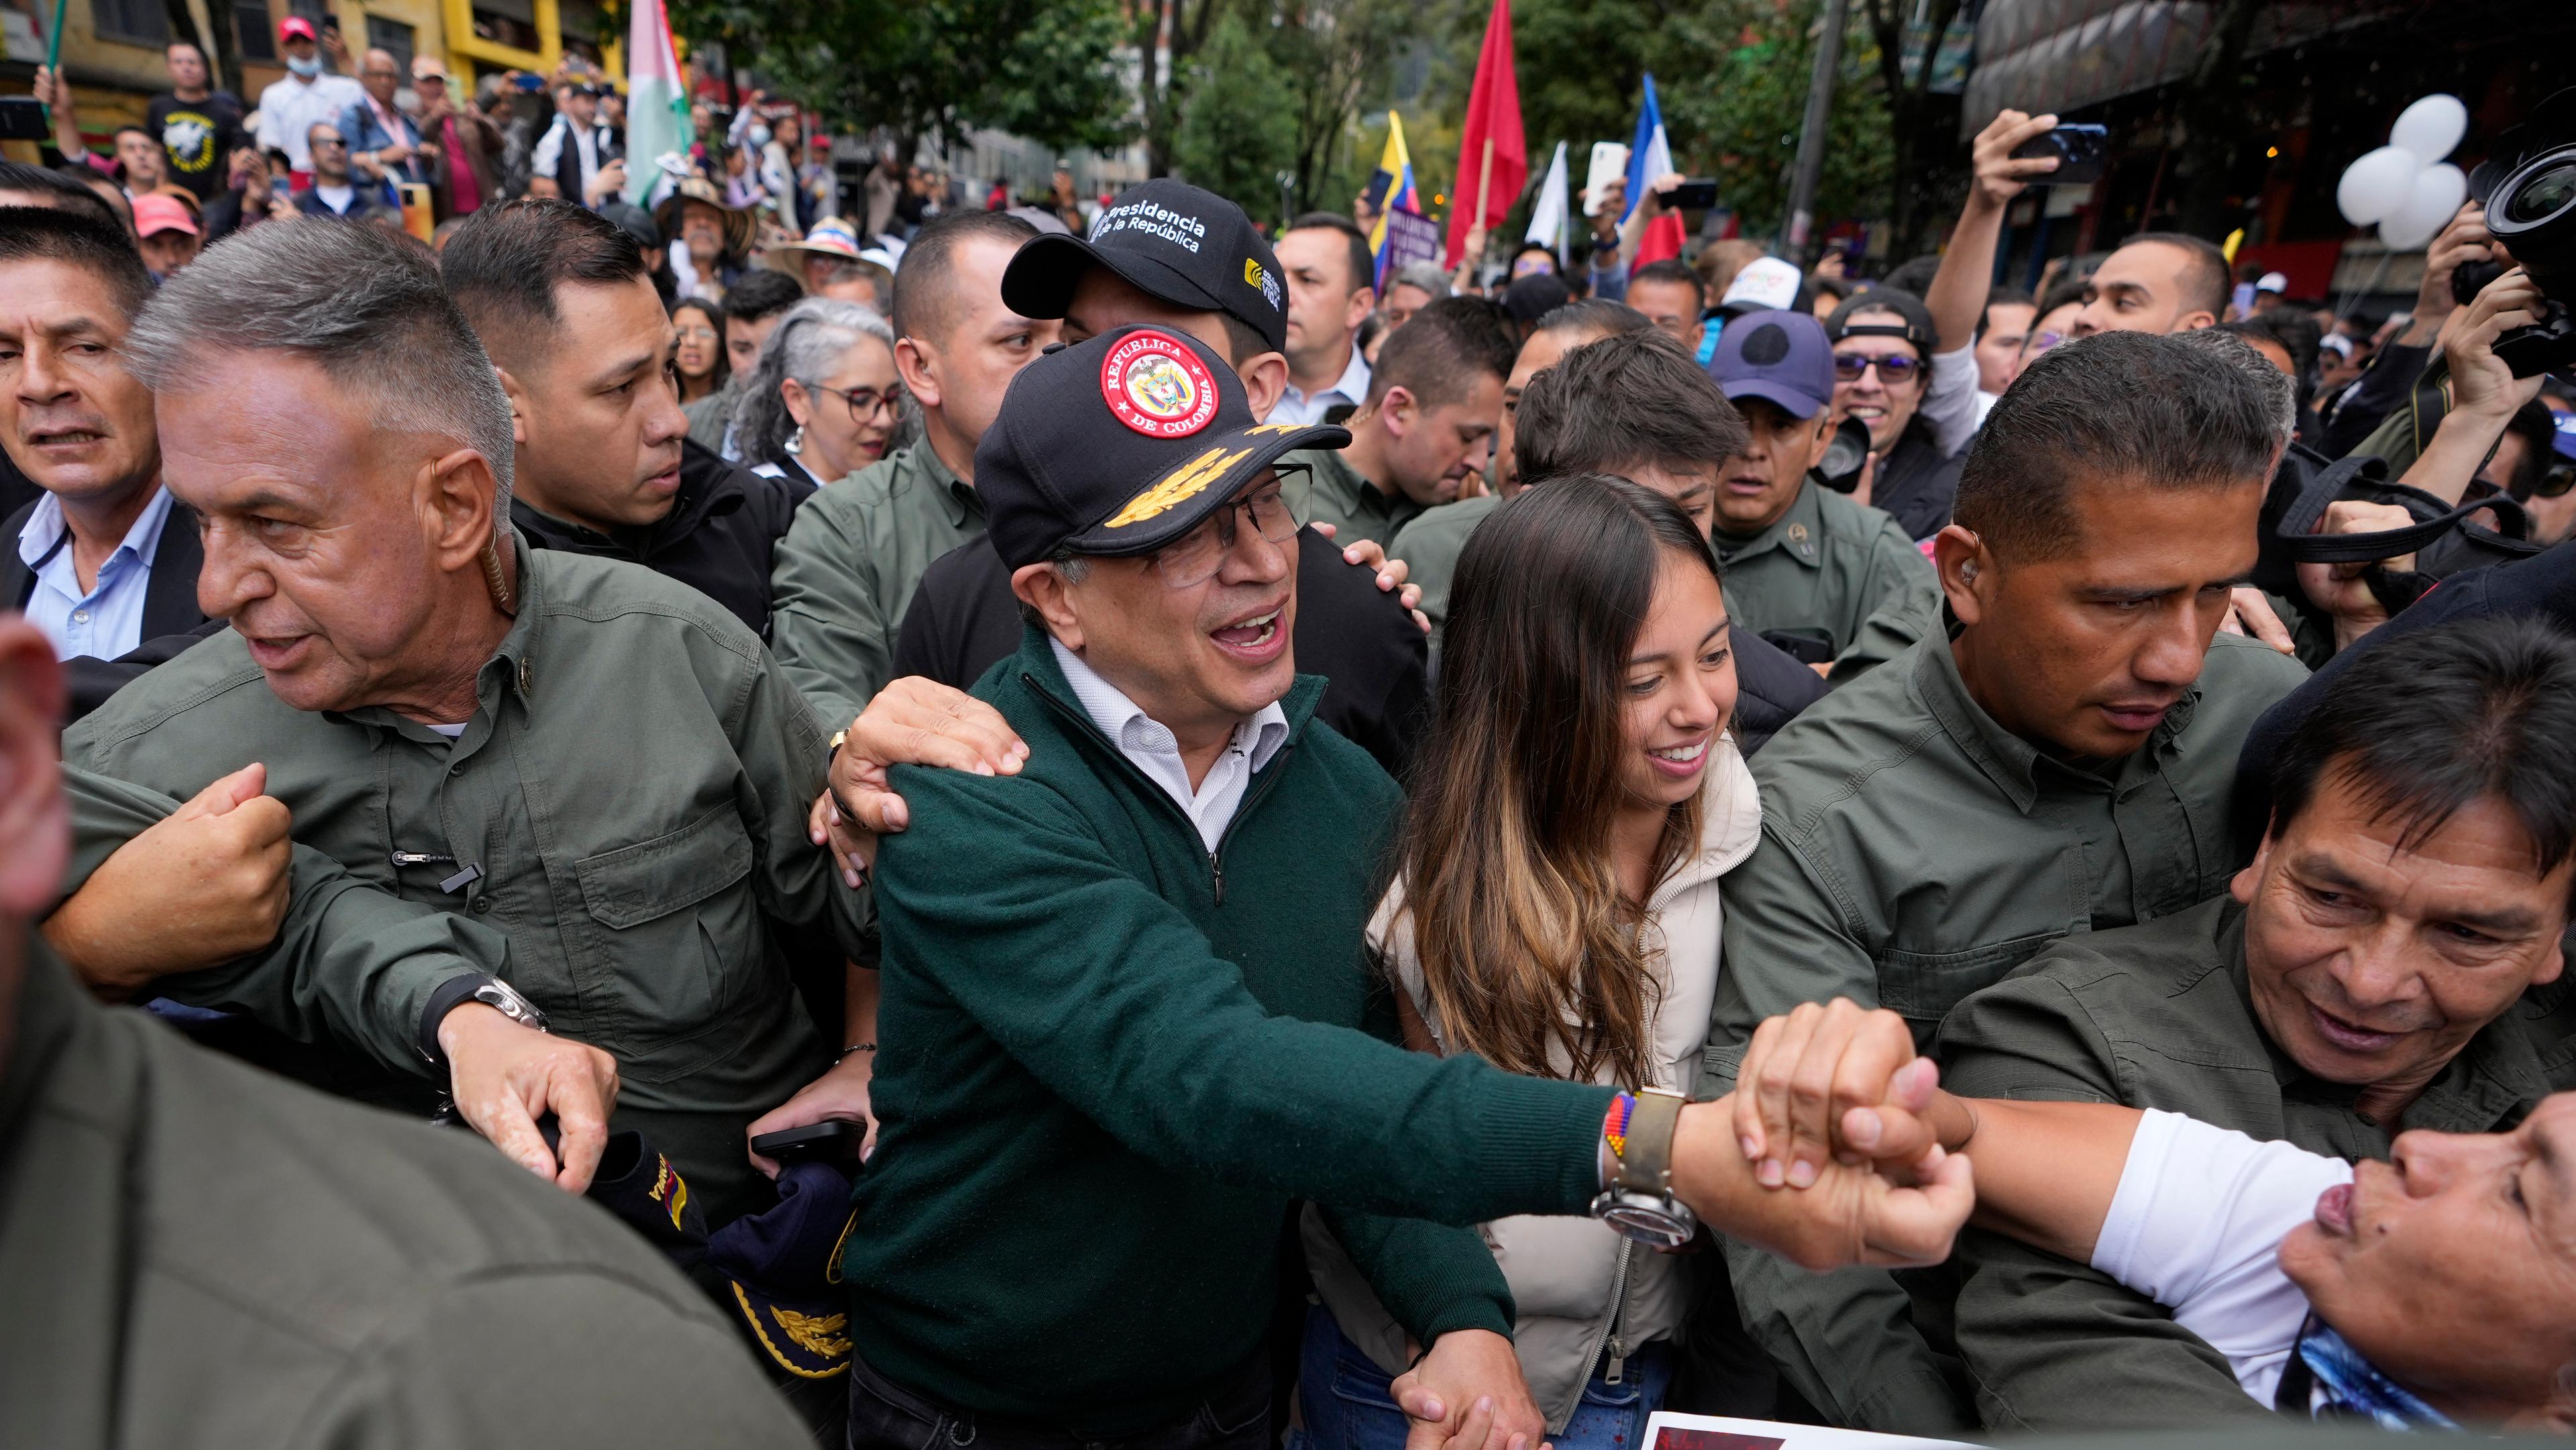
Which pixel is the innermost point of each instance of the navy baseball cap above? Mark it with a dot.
(1779, 355)
(1173, 241)
(782, 1268)
(1118, 446)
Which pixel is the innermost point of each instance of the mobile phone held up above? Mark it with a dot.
(2081, 152)
(22, 118)
(1698, 194)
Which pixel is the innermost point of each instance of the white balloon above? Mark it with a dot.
(2374, 187)
(2429, 207)
(2430, 127)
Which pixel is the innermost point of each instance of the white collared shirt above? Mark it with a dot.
(1351, 388)
(1152, 747)
(107, 620)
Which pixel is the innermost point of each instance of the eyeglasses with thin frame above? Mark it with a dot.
(1893, 371)
(864, 403)
(1195, 557)
(2040, 342)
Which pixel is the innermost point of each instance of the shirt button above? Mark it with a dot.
(482, 904)
(80, 616)
(456, 769)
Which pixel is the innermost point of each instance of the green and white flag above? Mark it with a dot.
(657, 103)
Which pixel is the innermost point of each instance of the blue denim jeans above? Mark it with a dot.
(1346, 1403)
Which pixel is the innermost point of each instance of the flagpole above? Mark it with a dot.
(1484, 183)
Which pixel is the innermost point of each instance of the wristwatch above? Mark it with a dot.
(1639, 1201)
(492, 992)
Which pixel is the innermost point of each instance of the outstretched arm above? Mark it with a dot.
(1835, 1084)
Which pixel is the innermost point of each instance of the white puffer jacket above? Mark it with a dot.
(1576, 1283)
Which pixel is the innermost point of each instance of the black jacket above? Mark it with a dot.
(1373, 657)
(1916, 485)
(1771, 687)
(171, 619)
(718, 537)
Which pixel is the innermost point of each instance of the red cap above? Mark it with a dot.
(296, 27)
(155, 213)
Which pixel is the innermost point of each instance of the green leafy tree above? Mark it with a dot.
(1238, 120)
(1738, 119)
(1046, 69)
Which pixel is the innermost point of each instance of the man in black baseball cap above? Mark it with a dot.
(1179, 249)
(1125, 1005)
(1883, 341)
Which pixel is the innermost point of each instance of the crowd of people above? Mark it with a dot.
(1103, 829)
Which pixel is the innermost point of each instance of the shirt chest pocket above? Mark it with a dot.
(1924, 986)
(681, 936)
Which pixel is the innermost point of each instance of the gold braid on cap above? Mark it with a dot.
(503, 597)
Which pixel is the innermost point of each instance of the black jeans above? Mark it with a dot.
(886, 1416)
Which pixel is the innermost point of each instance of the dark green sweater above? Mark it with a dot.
(1106, 1077)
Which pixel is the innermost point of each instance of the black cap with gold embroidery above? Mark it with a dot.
(1120, 445)
(1170, 240)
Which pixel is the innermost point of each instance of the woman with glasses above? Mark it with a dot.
(1556, 912)
(825, 399)
(700, 353)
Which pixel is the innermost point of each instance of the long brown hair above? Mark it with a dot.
(1525, 941)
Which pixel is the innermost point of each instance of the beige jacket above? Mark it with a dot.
(1576, 1283)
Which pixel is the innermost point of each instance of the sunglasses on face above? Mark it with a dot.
(2557, 481)
(2040, 342)
(1893, 371)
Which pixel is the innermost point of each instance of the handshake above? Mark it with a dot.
(1844, 1150)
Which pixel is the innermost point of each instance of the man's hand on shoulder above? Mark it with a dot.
(202, 886)
(504, 1076)
(912, 721)
(1391, 573)
(1468, 1394)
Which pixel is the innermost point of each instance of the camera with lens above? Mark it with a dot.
(1839, 469)
(2528, 188)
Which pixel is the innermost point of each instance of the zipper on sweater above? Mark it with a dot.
(1261, 787)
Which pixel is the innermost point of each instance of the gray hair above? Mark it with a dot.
(808, 345)
(1425, 275)
(363, 304)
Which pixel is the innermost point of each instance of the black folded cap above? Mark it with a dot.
(1122, 444)
(1172, 241)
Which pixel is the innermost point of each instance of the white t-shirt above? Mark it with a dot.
(2197, 1226)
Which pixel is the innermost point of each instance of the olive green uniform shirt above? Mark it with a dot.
(2159, 1016)
(1330, 491)
(1836, 571)
(200, 1254)
(1914, 851)
(1430, 546)
(630, 795)
(711, 417)
(847, 570)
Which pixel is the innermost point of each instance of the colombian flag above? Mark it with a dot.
(1397, 163)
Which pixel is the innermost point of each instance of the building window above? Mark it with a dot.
(251, 33)
(393, 37)
(136, 22)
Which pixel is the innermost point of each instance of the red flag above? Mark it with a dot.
(1493, 129)
(1662, 240)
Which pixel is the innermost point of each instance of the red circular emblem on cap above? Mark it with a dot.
(1157, 386)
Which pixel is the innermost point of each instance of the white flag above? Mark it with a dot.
(1548, 217)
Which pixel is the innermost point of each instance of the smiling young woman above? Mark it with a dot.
(1556, 910)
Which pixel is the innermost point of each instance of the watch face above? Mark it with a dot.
(1660, 1224)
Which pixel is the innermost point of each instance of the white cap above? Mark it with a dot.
(2336, 343)
(1766, 283)
(2272, 282)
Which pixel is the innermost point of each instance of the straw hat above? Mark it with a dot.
(739, 225)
